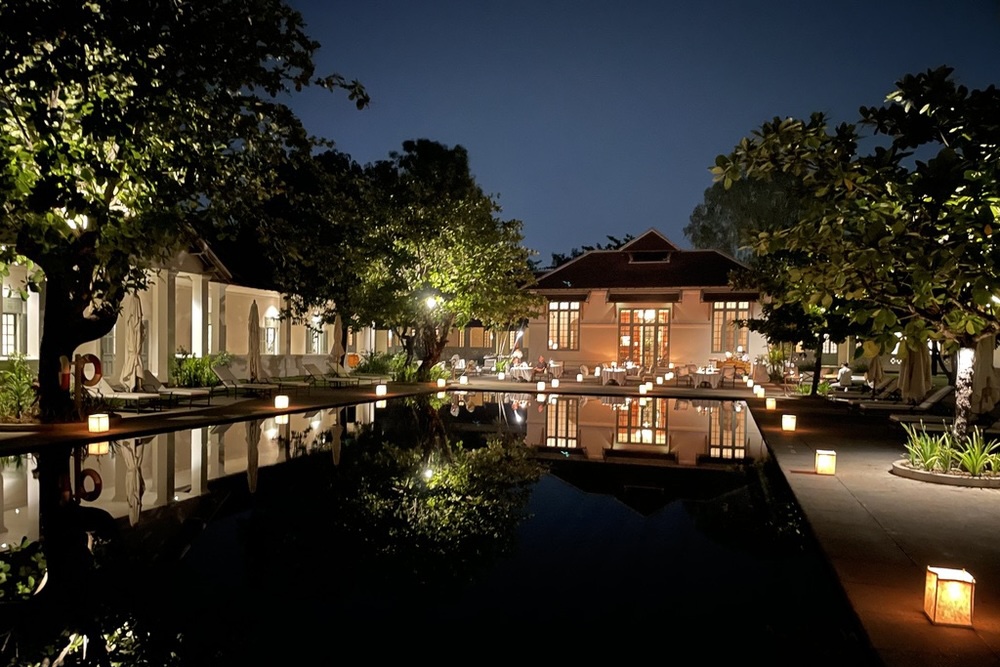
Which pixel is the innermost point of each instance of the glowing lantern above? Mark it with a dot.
(380, 390)
(540, 386)
(281, 401)
(787, 422)
(442, 382)
(98, 423)
(463, 379)
(280, 419)
(501, 375)
(579, 377)
(555, 382)
(949, 596)
(771, 404)
(98, 448)
(826, 462)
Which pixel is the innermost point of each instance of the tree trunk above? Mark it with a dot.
(964, 367)
(817, 366)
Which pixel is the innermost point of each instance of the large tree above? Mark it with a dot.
(441, 256)
(123, 125)
(904, 234)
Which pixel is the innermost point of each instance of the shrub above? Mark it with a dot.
(977, 456)
(190, 371)
(923, 448)
(375, 363)
(17, 390)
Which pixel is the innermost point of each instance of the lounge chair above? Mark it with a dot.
(130, 399)
(931, 400)
(288, 383)
(231, 382)
(151, 383)
(334, 378)
(882, 391)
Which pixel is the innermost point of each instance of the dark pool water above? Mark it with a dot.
(608, 559)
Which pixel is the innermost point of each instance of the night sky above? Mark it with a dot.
(593, 119)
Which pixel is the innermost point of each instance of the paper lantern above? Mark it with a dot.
(463, 379)
(379, 404)
(281, 401)
(750, 383)
(787, 422)
(579, 377)
(442, 382)
(771, 404)
(501, 375)
(540, 386)
(380, 390)
(669, 376)
(280, 419)
(759, 391)
(949, 596)
(442, 394)
(540, 398)
(98, 448)
(642, 389)
(659, 379)
(649, 386)
(555, 382)
(98, 423)
(826, 462)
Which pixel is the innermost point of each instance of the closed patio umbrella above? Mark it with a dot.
(875, 373)
(337, 351)
(131, 375)
(985, 379)
(915, 374)
(131, 453)
(253, 343)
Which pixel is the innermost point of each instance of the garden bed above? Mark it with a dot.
(903, 468)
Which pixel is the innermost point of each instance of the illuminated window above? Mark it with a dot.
(315, 341)
(270, 337)
(644, 336)
(725, 334)
(564, 325)
(479, 337)
(8, 334)
(562, 423)
(642, 422)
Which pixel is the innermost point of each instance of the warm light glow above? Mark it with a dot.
(597, 372)
(501, 375)
(98, 448)
(659, 379)
(442, 394)
(579, 377)
(643, 389)
(540, 386)
(379, 404)
(787, 422)
(826, 462)
(759, 391)
(771, 404)
(430, 302)
(380, 390)
(428, 473)
(98, 423)
(555, 383)
(280, 419)
(669, 376)
(750, 382)
(949, 596)
(281, 401)
(442, 382)
(464, 379)
(670, 365)
(649, 386)
(540, 398)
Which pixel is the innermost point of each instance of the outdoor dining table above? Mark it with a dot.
(616, 374)
(522, 373)
(556, 369)
(710, 375)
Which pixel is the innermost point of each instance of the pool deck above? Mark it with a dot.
(879, 531)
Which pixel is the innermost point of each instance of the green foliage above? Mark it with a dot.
(940, 453)
(376, 363)
(17, 391)
(923, 448)
(187, 370)
(978, 456)
(21, 568)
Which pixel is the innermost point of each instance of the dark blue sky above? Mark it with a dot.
(588, 119)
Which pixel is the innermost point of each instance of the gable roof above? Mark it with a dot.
(648, 262)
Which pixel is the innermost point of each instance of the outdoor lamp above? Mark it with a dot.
(540, 398)
(501, 375)
(649, 386)
(759, 391)
(659, 379)
(771, 404)
(948, 596)
(750, 382)
(643, 389)
(98, 448)
(787, 422)
(463, 379)
(281, 401)
(579, 377)
(379, 404)
(540, 386)
(826, 462)
(555, 382)
(380, 389)
(442, 382)
(597, 372)
(280, 419)
(669, 376)
(98, 423)
(442, 394)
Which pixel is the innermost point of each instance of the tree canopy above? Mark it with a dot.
(125, 127)
(902, 234)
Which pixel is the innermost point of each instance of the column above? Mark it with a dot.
(218, 314)
(163, 323)
(199, 315)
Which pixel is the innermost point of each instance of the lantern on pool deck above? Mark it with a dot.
(826, 462)
(642, 388)
(649, 386)
(501, 376)
(540, 386)
(98, 423)
(442, 382)
(659, 379)
(281, 401)
(579, 377)
(771, 404)
(787, 422)
(98, 448)
(949, 596)
(750, 383)
(463, 379)
(380, 390)
(555, 383)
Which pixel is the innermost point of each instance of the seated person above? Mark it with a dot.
(539, 369)
(844, 378)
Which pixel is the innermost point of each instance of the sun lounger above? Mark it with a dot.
(882, 391)
(151, 383)
(333, 378)
(289, 383)
(931, 400)
(135, 400)
(231, 383)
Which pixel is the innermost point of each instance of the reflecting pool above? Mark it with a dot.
(525, 521)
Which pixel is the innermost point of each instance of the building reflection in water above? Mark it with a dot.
(139, 475)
